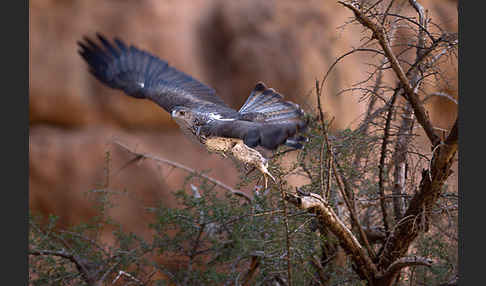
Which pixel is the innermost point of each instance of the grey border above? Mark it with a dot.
(15, 156)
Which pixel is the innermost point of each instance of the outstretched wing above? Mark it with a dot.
(265, 119)
(268, 106)
(142, 75)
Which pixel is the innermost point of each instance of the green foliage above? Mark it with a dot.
(217, 236)
(214, 237)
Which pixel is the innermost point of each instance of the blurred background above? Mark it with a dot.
(229, 45)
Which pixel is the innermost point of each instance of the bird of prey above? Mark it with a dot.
(265, 119)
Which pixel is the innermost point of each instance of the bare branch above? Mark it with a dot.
(380, 34)
(345, 55)
(421, 27)
(351, 208)
(452, 282)
(80, 265)
(400, 161)
(128, 275)
(441, 94)
(381, 166)
(91, 241)
(287, 236)
(316, 204)
(194, 252)
(141, 156)
(408, 261)
(254, 264)
(375, 234)
(315, 261)
(416, 217)
(390, 274)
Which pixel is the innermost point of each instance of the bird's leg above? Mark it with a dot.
(218, 145)
(251, 156)
(238, 149)
(265, 178)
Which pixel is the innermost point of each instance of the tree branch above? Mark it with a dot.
(316, 204)
(248, 277)
(403, 140)
(80, 265)
(351, 207)
(287, 237)
(411, 96)
(441, 94)
(381, 166)
(390, 274)
(416, 217)
(400, 161)
(141, 156)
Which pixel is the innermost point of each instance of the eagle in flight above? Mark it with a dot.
(265, 119)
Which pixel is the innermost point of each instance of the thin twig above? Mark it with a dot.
(287, 236)
(121, 272)
(86, 239)
(441, 94)
(411, 96)
(381, 166)
(345, 55)
(254, 264)
(194, 252)
(352, 212)
(397, 265)
(74, 259)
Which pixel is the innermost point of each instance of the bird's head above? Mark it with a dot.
(182, 113)
(187, 120)
(184, 117)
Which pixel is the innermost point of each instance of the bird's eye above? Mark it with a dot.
(182, 113)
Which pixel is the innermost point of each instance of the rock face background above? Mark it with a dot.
(230, 45)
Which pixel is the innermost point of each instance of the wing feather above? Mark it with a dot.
(266, 105)
(265, 119)
(143, 75)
